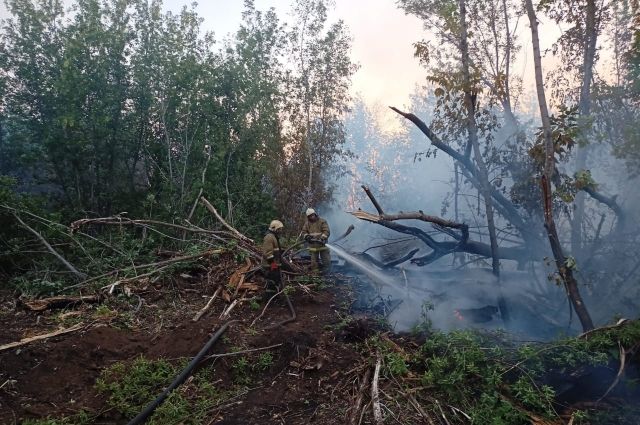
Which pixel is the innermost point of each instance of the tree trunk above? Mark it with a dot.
(584, 109)
(483, 175)
(472, 132)
(565, 272)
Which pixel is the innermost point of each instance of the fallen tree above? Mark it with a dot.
(458, 231)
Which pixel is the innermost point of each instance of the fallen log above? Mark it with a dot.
(461, 242)
(392, 263)
(59, 302)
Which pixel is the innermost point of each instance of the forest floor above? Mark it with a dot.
(299, 382)
(332, 365)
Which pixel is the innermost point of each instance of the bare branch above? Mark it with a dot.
(55, 253)
(373, 199)
(213, 211)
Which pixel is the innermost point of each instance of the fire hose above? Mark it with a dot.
(148, 411)
(288, 320)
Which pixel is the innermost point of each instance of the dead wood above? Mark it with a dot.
(345, 234)
(623, 363)
(233, 230)
(375, 393)
(355, 412)
(374, 201)
(160, 265)
(236, 280)
(124, 221)
(620, 323)
(611, 202)
(504, 206)
(41, 337)
(207, 306)
(59, 302)
(393, 263)
(55, 253)
(265, 308)
(419, 409)
(227, 311)
(461, 242)
(236, 353)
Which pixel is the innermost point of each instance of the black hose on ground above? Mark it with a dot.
(148, 411)
(285, 321)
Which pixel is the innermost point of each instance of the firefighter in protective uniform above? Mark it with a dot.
(271, 256)
(316, 232)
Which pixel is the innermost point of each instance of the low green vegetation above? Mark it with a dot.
(131, 386)
(82, 418)
(496, 381)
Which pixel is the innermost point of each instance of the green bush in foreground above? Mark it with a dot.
(131, 386)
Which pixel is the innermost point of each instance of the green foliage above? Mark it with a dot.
(264, 362)
(241, 371)
(424, 325)
(131, 386)
(564, 133)
(496, 382)
(81, 418)
(254, 304)
(133, 109)
(396, 364)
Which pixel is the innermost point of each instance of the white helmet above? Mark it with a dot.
(310, 211)
(276, 225)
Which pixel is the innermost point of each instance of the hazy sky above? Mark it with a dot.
(382, 40)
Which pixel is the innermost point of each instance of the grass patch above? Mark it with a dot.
(81, 418)
(131, 386)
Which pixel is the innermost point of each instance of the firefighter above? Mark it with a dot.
(271, 256)
(316, 232)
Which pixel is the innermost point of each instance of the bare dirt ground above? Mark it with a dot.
(56, 377)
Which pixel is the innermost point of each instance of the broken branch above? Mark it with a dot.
(41, 337)
(55, 253)
(375, 394)
(206, 307)
(355, 413)
(233, 230)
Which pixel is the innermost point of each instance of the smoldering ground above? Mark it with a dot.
(459, 290)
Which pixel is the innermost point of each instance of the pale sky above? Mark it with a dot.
(382, 40)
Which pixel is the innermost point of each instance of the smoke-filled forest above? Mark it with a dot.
(200, 227)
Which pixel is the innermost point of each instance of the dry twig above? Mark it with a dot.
(206, 307)
(265, 308)
(41, 337)
(355, 413)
